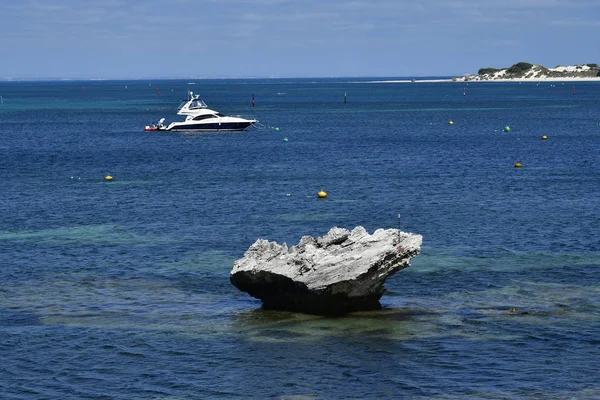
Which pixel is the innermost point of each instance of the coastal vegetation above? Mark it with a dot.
(519, 68)
(488, 71)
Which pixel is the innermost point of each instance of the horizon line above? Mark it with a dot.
(53, 79)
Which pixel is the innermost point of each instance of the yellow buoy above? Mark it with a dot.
(321, 194)
(451, 123)
(108, 178)
(544, 137)
(518, 165)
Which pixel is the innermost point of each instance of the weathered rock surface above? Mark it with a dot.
(341, 272)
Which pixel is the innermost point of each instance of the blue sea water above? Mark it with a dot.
(120, 290)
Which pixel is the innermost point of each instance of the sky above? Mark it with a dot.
(132, 39)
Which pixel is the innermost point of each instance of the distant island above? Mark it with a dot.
(523, 71)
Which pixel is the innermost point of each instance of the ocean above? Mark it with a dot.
(120, 289)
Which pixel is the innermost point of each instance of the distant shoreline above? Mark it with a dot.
(526, 72)
(452, 80)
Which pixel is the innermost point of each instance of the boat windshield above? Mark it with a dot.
(197, 103)
(194, 104)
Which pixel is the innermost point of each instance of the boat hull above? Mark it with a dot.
(209, 127)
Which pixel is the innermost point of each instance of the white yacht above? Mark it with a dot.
(200, 118)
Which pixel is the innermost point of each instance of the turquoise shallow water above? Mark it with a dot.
(120, 290)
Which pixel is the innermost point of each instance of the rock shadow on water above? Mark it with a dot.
(265, 325)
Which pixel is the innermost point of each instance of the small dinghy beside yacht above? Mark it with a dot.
(200, 118)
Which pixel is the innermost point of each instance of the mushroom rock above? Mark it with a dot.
(341, 272)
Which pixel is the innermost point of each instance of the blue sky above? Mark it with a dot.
(302, 38)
